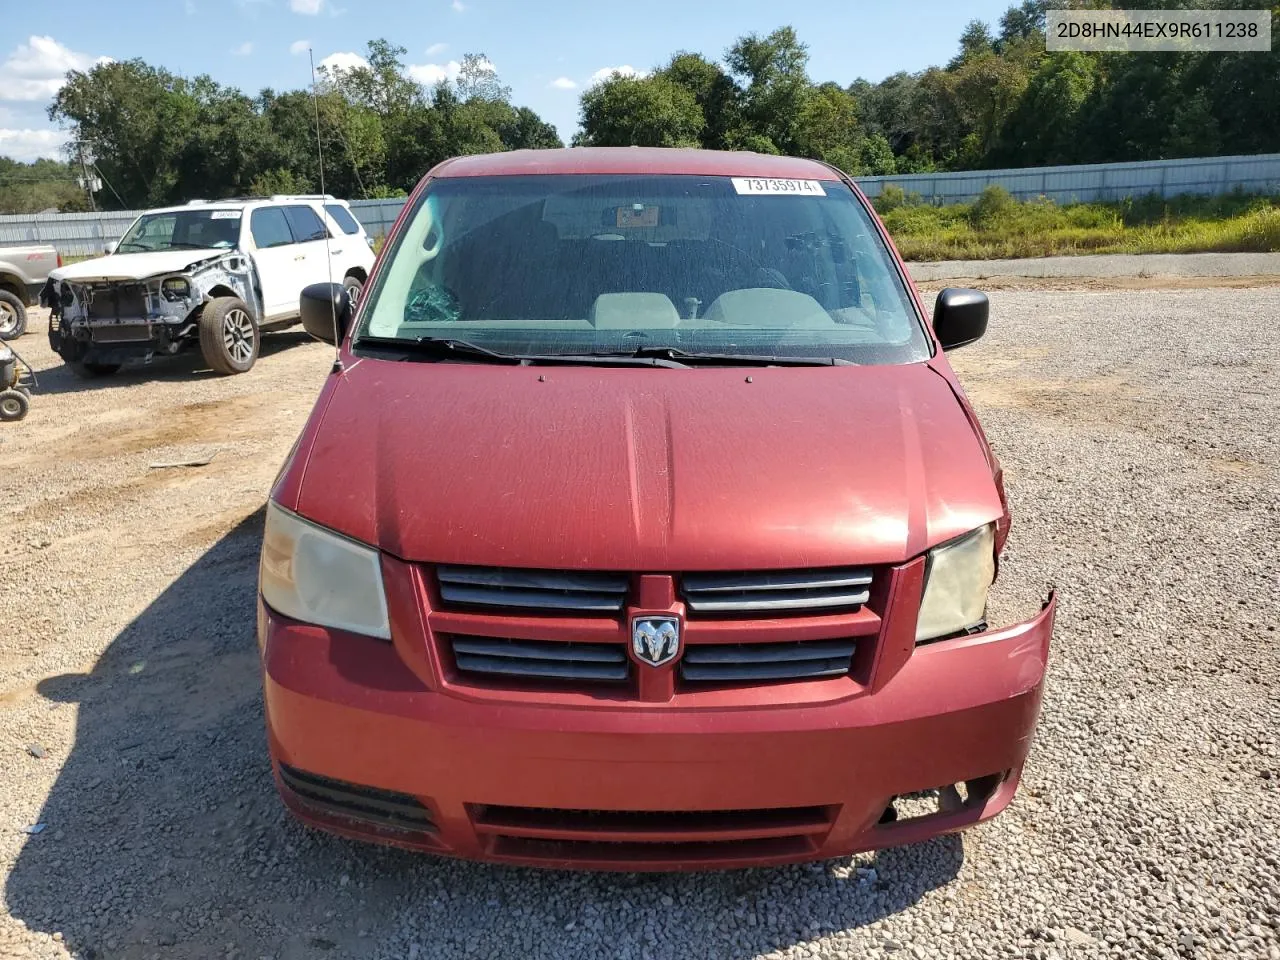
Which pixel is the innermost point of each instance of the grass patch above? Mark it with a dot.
(998, 226)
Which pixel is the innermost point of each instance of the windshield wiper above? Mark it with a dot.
(439, 348)
(448, 348)
(728, 359)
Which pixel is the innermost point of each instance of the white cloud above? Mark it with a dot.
(28, 145)
(35, 70)
(626, 70)
(299, 47)
(343, 61)
(437, 48)
(458, 6)
(308, 8)
(243, 50)
(429, 74)
(563, 83)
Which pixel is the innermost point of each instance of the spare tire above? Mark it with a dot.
(228, 335)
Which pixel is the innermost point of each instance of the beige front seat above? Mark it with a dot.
(633, 311)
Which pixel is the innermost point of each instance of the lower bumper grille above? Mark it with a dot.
(761, 662)
(121, 333)
(540, 660)
(651, 836)
(384, 808)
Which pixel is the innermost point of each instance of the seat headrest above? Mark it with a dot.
(634, 311)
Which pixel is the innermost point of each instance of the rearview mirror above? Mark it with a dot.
(110, 248)
(324, 306)
(960, 316)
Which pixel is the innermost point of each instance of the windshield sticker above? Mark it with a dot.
(225, 215)
(638, 215)
(763, 186)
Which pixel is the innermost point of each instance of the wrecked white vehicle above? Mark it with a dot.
(216, 275)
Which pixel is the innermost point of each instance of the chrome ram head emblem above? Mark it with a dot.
(655, 640)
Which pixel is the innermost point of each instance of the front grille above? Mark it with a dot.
(752, 662)
(776, 592)
(117, 301)
(540, 660)
(540, 590)
(385, 808)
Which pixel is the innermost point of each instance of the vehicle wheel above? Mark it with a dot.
(91, 371)
(354, 289)
(228, 335)
(13, 405)
(13, 316)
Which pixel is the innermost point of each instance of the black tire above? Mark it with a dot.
(229, 336)
(354, 288)
(92, 371)
(13, 316)
(13, 405)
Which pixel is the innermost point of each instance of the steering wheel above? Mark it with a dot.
(766, 275)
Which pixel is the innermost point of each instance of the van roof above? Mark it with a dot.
(635, 160)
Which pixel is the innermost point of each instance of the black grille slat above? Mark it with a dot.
(769, 652)
(532, 650)
(782, 591)
(371, 804)
(519, 589)
(539, 660)
(755, 662)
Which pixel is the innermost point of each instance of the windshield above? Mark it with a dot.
(583, 265)
(182, 230)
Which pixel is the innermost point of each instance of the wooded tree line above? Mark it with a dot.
(1003, 101)
(159, 138)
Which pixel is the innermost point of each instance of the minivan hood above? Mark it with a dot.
(135, 266)
(645, 469)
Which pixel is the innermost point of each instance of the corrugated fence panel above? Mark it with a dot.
(1096, 181)
(86, 234)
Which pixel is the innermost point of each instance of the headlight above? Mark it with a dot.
(176, 288)
(957, 577)
(317, 576)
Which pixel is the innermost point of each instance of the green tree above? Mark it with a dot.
(775, 85)
(715, 92)
(827, 127)
(647, 112)
(1045, 125)
(976, 41)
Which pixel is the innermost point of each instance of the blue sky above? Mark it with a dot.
(547, 51)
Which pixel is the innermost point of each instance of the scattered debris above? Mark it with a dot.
(35, 828)
(202, 461)
(37, 751)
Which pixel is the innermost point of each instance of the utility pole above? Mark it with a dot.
(85, 180)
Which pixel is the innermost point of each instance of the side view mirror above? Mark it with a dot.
(322, 307)
(960, 316)
(110, 248)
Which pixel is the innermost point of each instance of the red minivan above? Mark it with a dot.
(642, 524)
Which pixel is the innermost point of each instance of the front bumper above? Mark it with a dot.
(646, 787)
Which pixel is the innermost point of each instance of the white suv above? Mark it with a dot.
(216, 273)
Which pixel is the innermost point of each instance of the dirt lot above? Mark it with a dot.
(1138, 431)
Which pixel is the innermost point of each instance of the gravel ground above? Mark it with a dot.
(1138, 433)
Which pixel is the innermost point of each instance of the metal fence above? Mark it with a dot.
(1096, 181)
(86, 234)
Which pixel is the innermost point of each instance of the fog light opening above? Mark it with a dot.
(949, 798)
